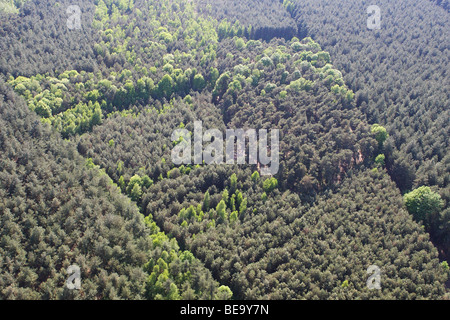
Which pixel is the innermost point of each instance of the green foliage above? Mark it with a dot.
(213, 76)
(266, 61)
(423, 204)
(43, 109)
(136, 193)
(349, 96)
(255, 176)
(233, 183)
(300, 85)
(269, 87)
(206, 201)
(240, 44)
(380, 133)
(221, 210)
(173, 292)
(199, 83)
(165, 86)
(120, 167)
(225, 196)
(135, 180)
(379, 160)
(232, 204)
(78, 120)
(239, 198)
(233, 217)
(146, 181)
(270, 184)
(298, 244)
(11, 6)
(325, 56)
(121, 183)
(221, 84)
(224, 293)
(243, 208)
(297, 46)
(256, 75)
(264, 197)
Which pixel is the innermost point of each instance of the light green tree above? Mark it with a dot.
(165, 86)
(224, 293)
(173, 292)
(198, 83)
(221, 84)
(424, 204)
(380, 134)
(206, 201)
(379, 160)
(264, 197)
(136, 193)
(221, 210)
(270, 184)
(239, 198)
(243, 208)
(233, 216)
(225, 196)
(146, 181)
(233, 183)
(240, 44)
(121, 183)
(255, 176)
(136, 179)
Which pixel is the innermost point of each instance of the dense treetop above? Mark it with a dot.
(87, 176)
